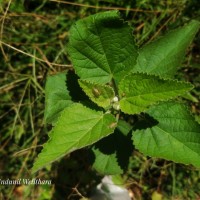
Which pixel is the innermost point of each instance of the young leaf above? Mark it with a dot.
(102, 95)
(77, 127)
(56, 97)
(176, 136)
(163, 56)
(101, 47)
(139, 91)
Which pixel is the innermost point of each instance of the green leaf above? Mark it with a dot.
(56, 97)
(101, 47)
(77, 127)
(106, 163)
(112, 153)
(102, 95)
(139, 91)
(164, 55)
(176, 136)
(124, 127)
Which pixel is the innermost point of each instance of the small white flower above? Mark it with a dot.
(115, 99)
(116, 106)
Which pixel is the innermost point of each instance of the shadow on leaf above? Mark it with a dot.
(112, 153)
(145, 121)
(75, 90)
(77, 93)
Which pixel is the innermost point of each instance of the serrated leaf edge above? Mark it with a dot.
(146, 154)
(50, 138)
(120, 18)
(106, 164)
(157, 76)
(95, 84)
(163, 36)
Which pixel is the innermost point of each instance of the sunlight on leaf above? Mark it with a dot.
(56, 97)
(97, 50)
(139, 91)
(176, 137)
(77, 127)
(102, 95)
(164, 55)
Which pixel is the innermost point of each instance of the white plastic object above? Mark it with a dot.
(107, 190)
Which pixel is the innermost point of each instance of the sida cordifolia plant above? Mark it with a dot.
(120, 98)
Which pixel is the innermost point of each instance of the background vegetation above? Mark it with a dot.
(33, 44)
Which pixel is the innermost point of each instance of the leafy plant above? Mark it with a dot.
(125, 97)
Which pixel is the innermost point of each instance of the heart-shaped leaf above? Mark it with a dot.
(176, 136)
(101, 47)
(77, 127)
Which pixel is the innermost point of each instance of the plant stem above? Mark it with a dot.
(115, 87)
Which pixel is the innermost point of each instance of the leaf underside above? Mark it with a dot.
(77, 127)
(164, 55)
(139, 91)
(176, 136)
(102, 95)
(101, 47)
